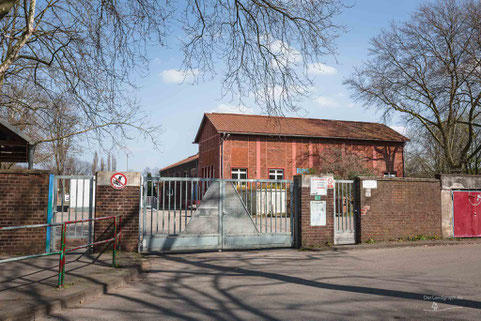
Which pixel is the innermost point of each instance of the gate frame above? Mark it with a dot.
(220, 235)
(52, 206)
(354, 195)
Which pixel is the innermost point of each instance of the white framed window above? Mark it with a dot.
(276, 174)
(239, 173)
(390, 174)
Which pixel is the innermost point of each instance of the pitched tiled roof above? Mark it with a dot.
(187, 160)
(304, 127)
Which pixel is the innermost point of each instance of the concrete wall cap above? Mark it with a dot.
(133, 178)
(398, 179)
(24, 171)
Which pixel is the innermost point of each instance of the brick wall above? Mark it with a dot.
(23, 201)
(312, 236)
(400, 208)
(124, 202)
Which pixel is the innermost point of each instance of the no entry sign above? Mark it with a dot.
(118, 181)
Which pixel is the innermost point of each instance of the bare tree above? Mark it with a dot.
(261, 43)
(83, 55)
(109, 163)
(343, 163)
(102, 164)
(428, 70)
(424, 157)
(80, 52)
(87, 49)
(95, 163)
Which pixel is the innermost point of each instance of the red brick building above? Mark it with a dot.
(262, 147)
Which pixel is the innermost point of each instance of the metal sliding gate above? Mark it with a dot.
(179, 214)
(345, 212)
(71, 199)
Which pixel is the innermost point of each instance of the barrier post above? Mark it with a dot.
(61, 264)
(51, 183)
(120, 233)
(114, 251)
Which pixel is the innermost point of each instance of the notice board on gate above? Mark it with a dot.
(318, 213)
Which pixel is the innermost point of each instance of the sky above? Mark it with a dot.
(178, 106)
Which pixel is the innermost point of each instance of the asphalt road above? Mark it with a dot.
(421, 283)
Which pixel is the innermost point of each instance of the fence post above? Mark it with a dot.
(221, 214)
(91, 205)
(120, 233)
(61, 264)
(51, 181)
(114, 251)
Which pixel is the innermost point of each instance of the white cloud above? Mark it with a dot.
(318, 69)
(400, 129)
(172, 76)
(326, 101)
(231, 109)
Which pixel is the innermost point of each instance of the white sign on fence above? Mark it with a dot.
(318, 186)
(318, 213)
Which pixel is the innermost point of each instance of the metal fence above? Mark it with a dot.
(63, 250)
(201, 210)
(344, 212)
(268, 202)
(169, 203)
(73, 200)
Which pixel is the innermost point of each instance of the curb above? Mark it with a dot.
(390, 245)
(80, 295)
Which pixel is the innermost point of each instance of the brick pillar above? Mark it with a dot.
(23, 201)
(306, 234)
(124, 202)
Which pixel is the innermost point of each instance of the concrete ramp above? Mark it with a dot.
(205, 219)
(236, 220)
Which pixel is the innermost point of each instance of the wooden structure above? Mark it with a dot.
(15, 146)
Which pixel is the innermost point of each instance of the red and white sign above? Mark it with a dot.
(320, 185)
(330, 182)
(118, 181)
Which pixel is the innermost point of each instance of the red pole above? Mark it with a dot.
(114, 250)
(120, 233)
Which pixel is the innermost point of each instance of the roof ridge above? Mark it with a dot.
(179, 162)
(302, 118)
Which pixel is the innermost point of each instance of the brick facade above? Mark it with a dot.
(307, 235)
(124, 202)
(259, 154)
(209, 151)
(23, 201)
(400, 208)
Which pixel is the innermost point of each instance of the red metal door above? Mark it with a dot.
(467, 213)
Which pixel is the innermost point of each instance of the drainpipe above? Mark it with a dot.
(223, 137)
(404, 172)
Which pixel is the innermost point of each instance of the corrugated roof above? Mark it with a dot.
(187, 160)
(304, 127)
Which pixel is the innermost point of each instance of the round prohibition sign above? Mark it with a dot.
(118, 181)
